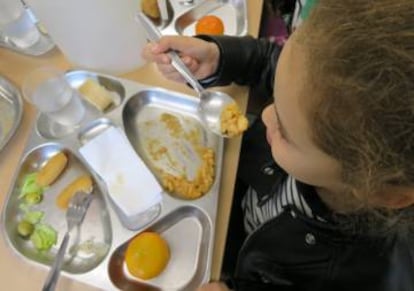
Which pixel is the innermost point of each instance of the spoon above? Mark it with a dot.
(211, 102)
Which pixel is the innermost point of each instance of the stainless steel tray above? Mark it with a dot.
(183, 15)
(11, 110)
(187, 225)
(42, 46)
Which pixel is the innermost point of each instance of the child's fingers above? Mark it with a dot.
(163, 59)
(178, 43)
(168, 68)
(169, 72)
(148, 54)
(191, 64)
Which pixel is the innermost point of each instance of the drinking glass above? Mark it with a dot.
(48, 89)
(16, 25)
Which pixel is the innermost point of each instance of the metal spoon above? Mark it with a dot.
(211, 102)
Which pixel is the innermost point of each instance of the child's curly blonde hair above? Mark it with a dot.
(360, 55)
(361, 61)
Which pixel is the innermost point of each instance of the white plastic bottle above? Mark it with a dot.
(99, 35)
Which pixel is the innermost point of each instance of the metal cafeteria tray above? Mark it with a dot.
(98, 256)
(183, 15)
(11, 110)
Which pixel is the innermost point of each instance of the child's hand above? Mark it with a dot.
(215, 286)
(200, 56)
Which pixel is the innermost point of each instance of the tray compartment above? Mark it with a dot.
(160, 23)
(141, 119)
(188, 231)
(93, 129)
(95, 235)
(115, 87)
(133, 222)
(53, 131)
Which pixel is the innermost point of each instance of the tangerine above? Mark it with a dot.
(209, 24)
(147, 255)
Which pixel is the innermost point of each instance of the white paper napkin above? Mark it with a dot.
(131, 185)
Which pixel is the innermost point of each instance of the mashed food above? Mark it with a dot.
(232, 121)
(196, 188)
(184, 165)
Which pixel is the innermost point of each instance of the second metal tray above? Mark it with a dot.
(11, 110)
(183, 15)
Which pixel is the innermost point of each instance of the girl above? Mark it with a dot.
(335, 210)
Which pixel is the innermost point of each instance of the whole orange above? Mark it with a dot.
(147, 255)
(209, 24)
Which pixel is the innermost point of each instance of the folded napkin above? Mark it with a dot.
(131, 185)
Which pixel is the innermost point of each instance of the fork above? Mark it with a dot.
(75, 214)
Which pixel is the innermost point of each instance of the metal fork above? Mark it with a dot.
(75, 214)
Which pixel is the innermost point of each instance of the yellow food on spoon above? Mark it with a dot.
(83, 183)
(51, 170)
(232, 120)
(147, 255)
(96, 94)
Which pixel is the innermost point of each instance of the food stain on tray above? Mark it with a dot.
(176, 150)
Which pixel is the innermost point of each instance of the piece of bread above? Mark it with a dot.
(83, 183)
(150, 8)
(51, 170)
(96, 94)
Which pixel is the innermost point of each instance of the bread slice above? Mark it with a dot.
(83, 183)
(96, 94)
(150, 8)
(52, 170)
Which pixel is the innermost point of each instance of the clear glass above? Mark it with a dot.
(48, 90)
(16, 25)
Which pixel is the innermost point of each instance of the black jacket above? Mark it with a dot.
(291, 251)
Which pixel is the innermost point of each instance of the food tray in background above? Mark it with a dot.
(187, 225)
(11, 111)
(183, 15)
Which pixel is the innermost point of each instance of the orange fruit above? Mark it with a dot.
(209, 24)
(147, 255)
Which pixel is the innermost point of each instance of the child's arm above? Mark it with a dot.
(245, 61)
